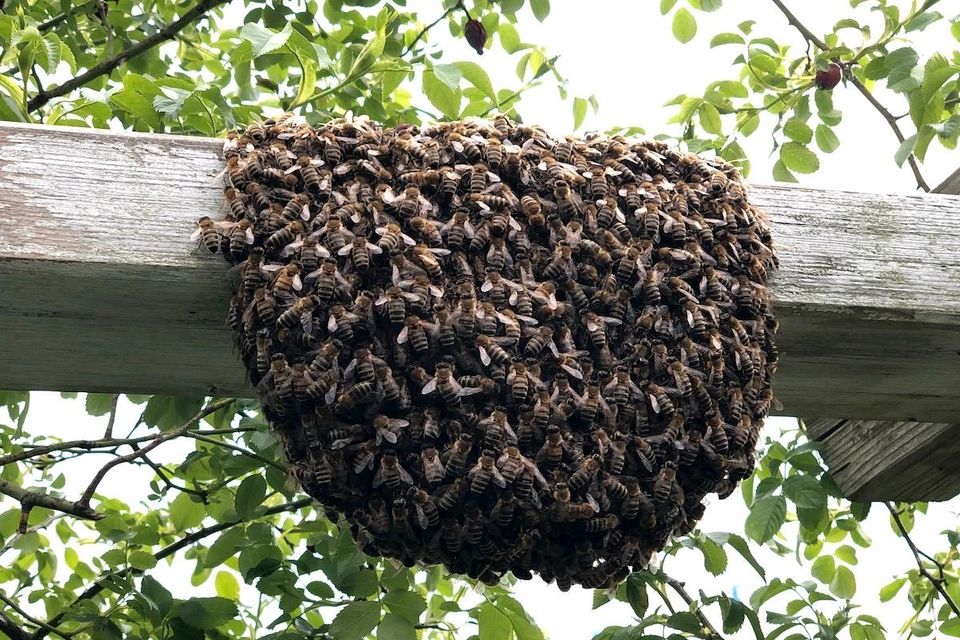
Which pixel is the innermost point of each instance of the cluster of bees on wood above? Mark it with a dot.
(496, 350)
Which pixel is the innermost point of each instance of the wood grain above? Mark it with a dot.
(101, 289)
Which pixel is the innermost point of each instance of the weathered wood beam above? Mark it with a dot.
(883, 460)
(101, 290)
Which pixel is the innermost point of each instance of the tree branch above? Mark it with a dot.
(937, 582)
(29, 499)
(98, 586)
(26, 616)
(137, 453)
(889, 117)
(423, 32)
(678, 586)
(12, 629)
(107, 66)
(113, 417)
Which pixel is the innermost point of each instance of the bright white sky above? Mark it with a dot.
(623, 52)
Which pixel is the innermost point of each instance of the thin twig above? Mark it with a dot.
(678, 586)
(30, 498)
(229, 445)
(113, 417)
(170, 484)
(423, 32)
(107, 66)
(156, 442)
(937, 582)
(26, 616)
(889, 117)
(169, 550)
(36, 451)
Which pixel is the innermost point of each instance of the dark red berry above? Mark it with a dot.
(828, 78)
(476, 35)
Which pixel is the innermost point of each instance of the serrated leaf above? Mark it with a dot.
(684, 25)
(766, 517)
(206, 613)
(394, 627)
(227, 585)
(799, 158)
(824, 569)
(99, 404)
(714, 557)
(407, 604)
(492, 623)
(440, 95)
(844, 584)
(540, 8)
(710, 118)
(263, 40)
(827, 140)
(157, 594)
(475, 75)
(250, 494)
(805, 491)
(635, 590)
(185, 513)
(355, 620)
(798, 131)
(225, 547)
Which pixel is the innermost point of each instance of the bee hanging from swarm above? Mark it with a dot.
(494, 350)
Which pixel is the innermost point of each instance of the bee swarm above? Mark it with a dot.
(498, 351)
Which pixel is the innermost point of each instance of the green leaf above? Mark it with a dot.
(394, 627)
(523, 627)
(227, 585)
(493, 625)
(359, 584)
(600, 598)
(635, 590)
(250, 494)
(579, 112)
(888, 592)
(799, 158)
(475, 75)
(805, 491)
(741, 547)
(684, 621)
(714, 557)
(905, 149)
(955, 30)
(440, 95)
(141, 560)
(448, 74)
(766, 517)
(827, 140)
(185, 513)
(846, 553)
(824, 569)
(157, 594)
(710, 118)
(225, 547)
(308, 83)
(407, 604)
(921, 21)
(684, 25)
(951, 627)
(666, 5)
(509, 38)
(263, 40)
(355, 620)
(206, 613)
(99, 404)
(844, 584)
(726, 38)
(798, 131)
(540, 8)
(137, 105)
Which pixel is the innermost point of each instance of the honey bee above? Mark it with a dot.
(360, 252)
(458, 230)
(483, 473)
(448, 388)
(390, 473)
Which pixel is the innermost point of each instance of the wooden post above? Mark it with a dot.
(102, 290)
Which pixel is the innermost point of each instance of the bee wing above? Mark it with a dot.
(576, 373)
(344, 250)
(248, 235)
(402, 336)
(609, 320)
(292, 247)
(195, 235)
(654, 403)
(436, 291)
(387, 435)
(469, 391)
(513, 299)
(297, 283)
(513, 285)
(382, 300)
(331, 394)
(421, 516)
(306, 321)
(332, 326)
(374, 248)
(429, 387)
(364, 462)
(593, 503)
(404, 476)
(380, 477)
(592, 326)
(408, 240)
(486, 286)
(498, 478)
(484, 357)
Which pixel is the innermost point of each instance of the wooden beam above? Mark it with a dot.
(101, 290)
(886, 460)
